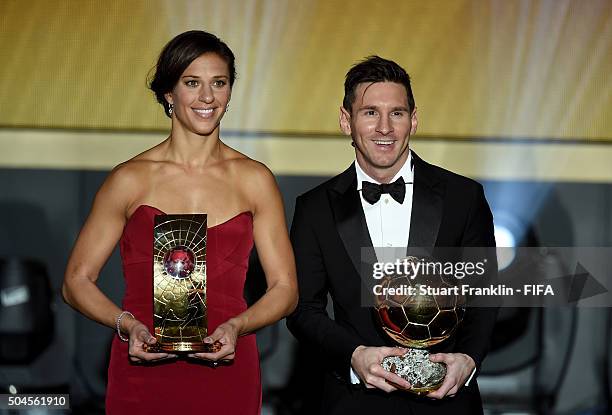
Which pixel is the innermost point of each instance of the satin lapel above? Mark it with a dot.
(427, 205)
(349, 217)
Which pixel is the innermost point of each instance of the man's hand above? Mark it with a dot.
(366, 363)
(459, 367)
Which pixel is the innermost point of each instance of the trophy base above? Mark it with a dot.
(424, 375)
(183, 347)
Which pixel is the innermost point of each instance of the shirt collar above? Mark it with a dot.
(406, 171)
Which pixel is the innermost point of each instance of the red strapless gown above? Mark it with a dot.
(183, 387)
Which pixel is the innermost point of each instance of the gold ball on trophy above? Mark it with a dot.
(418, 310)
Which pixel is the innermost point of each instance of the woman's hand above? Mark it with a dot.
(225, 337)
(140, 339)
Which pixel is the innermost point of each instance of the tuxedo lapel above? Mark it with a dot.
(348, 215)
(426, 216)
(427, 205)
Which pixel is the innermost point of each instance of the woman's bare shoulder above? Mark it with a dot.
(152, 154)
(247, 168)
(138, 168)
(129, 180)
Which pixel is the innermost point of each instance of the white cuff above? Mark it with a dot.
(467, 382)
(355, 379)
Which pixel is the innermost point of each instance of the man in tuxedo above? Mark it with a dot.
(389, 197)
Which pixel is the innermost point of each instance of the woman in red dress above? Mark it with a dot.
(192, 171)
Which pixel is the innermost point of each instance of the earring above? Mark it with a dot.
(170, 109)
(227, 107)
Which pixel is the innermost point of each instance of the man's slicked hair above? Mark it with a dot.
(375, 69)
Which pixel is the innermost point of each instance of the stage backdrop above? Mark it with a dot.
(480, 68)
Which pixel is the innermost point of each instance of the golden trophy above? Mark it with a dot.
(418, 319)
(179, 284)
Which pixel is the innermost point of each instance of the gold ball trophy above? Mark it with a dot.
(179, 284)
(419, 319)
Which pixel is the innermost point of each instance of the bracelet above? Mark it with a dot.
(118, 324)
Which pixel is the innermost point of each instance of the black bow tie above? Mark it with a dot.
(372, 191)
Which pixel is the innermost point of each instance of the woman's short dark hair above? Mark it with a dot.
(375, 69)
(178, 54)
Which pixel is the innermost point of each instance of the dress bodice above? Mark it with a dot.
(151, 388)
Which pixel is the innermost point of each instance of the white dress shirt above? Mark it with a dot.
(389, 223)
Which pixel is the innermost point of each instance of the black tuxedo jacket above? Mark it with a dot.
(328, 231)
